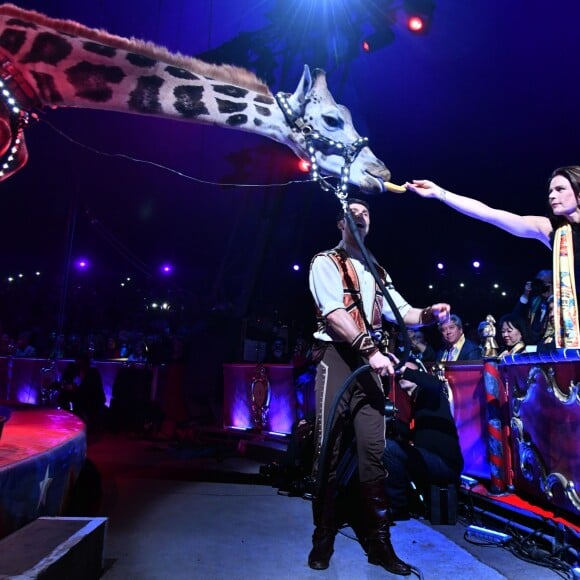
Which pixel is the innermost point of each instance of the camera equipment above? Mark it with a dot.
(390, 409)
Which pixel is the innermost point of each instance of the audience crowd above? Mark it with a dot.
(455, 340)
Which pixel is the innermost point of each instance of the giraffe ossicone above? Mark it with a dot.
(46, 62)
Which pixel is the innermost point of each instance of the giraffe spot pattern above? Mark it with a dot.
(258, 122)
(188, 101)
(230, 91)
(140, 60)
(237, 120)
(265, 99)
(180, 73)
(12, 40)
(230, 107)
(48, 48)
(91, 81)
(145, 97)
(46, 87)
(99, 49)
(21, 23)
(264, 111)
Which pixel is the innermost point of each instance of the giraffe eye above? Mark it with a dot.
(332, 122)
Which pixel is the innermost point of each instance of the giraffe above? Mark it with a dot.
(51, 63)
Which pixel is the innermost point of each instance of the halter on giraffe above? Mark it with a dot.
(46, 62)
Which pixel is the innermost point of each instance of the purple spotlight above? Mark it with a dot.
(476, 263)
(82, 264)
(166, 269)
(296, 267)
(440, 266)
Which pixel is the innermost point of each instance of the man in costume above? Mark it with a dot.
(350, 307)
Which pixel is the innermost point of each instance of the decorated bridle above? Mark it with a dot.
(14, 91)
(317, 143)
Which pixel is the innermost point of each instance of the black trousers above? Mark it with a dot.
(406, 463)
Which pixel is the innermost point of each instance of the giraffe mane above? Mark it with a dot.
(224, 72)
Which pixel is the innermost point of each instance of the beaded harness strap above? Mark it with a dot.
(14, 92)
(315, 142)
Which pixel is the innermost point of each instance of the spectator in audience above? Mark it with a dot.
(111, 348)
(533, 304)
(89, 396)
(58, 349)
(420, 348)
(548, 343)
(24, 348)
(277, 352)
(6, 345)
(302, 354)
(514, 333)
(138, 353)
(68, 386)
(456, 346)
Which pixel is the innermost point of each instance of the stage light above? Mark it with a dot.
(416, 24)
(166, 269)
(304, 166)
(82, 264)
(296, 267)
(378, 40)
(420, 15)
(476, 263)
(440, 266)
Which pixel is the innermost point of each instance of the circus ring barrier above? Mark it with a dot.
(518, 420)
(42, 448)
(519, 426)
(42, 452)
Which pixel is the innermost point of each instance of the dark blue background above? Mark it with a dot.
(486, 104)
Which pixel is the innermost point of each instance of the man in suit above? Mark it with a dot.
(456, 346)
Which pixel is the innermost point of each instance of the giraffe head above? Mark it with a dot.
(313, 103)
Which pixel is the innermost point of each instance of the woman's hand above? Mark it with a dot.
(424, 188)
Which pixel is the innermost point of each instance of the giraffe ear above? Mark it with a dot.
(300, 95)
(319, 79)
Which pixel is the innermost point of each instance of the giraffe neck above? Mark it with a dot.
(77, 70)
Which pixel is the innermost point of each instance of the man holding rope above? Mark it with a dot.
(350, 307)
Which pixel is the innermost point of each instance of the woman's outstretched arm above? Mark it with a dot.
(523, 226)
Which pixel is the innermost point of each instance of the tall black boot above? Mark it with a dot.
(325, 520)
(380, 550)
